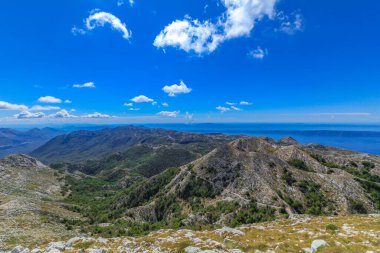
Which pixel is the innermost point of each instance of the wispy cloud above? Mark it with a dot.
(8, 106)
(172, 114)
(50, 100)
(44, 108)
(289, 24)
(85, 85)
(99, 19)
(223, 109)
(258, 53)
(96, 115)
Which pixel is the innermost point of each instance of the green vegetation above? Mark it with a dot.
(324, 162)
(315, 201)
(299, 164)
(288, 177)
(296, 205)
(368, 165)
(104, 202)
(357, 207)
(196, 187)
(252, 214)
(331, 227)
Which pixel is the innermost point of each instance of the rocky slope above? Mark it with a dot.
(29, 202)
(234, 183)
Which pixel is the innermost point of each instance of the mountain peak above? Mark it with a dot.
(288, 141)
(22, 160)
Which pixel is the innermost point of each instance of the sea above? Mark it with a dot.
(361, 138)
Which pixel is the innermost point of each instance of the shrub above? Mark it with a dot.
(299, 164)
(331, 227)
(357, 206)
(288, 177)
(368, 165)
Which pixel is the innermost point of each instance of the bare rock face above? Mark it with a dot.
(288, 141)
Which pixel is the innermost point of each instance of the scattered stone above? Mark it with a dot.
(315, 245)
(225, 230)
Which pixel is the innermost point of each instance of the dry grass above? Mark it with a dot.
(351, 234)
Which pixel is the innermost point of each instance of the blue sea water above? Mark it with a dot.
(361, 138)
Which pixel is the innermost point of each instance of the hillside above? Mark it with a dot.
(21, 142)
(245, 181)
(84, 145)
(309, 192)
(30, 202)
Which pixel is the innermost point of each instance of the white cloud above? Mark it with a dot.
(192, 35)
(172, 114)
(189, 35)
(142, 99)
(245, 103)
(189, 116)
(176, 89)
(77, 31)
(242, 15)
(50, 100)
(121, 2)
(258, 53)
(128, 104)
(101, 18)
(223, 109)
(134, 109)
(164, 104)
(8, 106)
(67, 101)
(230, 103)
(29, 115)
(85, 85)
(62, 114)
(235, 108)
(97, 115)
(290, 24)
(44, 108)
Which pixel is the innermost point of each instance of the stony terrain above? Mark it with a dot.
(355, 234)
(29, 202)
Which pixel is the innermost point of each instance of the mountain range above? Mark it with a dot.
(129, 181)
(14, 141)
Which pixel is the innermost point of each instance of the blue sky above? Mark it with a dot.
(289, 60)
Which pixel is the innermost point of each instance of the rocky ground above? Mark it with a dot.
(300, 234)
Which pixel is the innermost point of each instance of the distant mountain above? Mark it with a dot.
(17, 142)
(84, 145)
